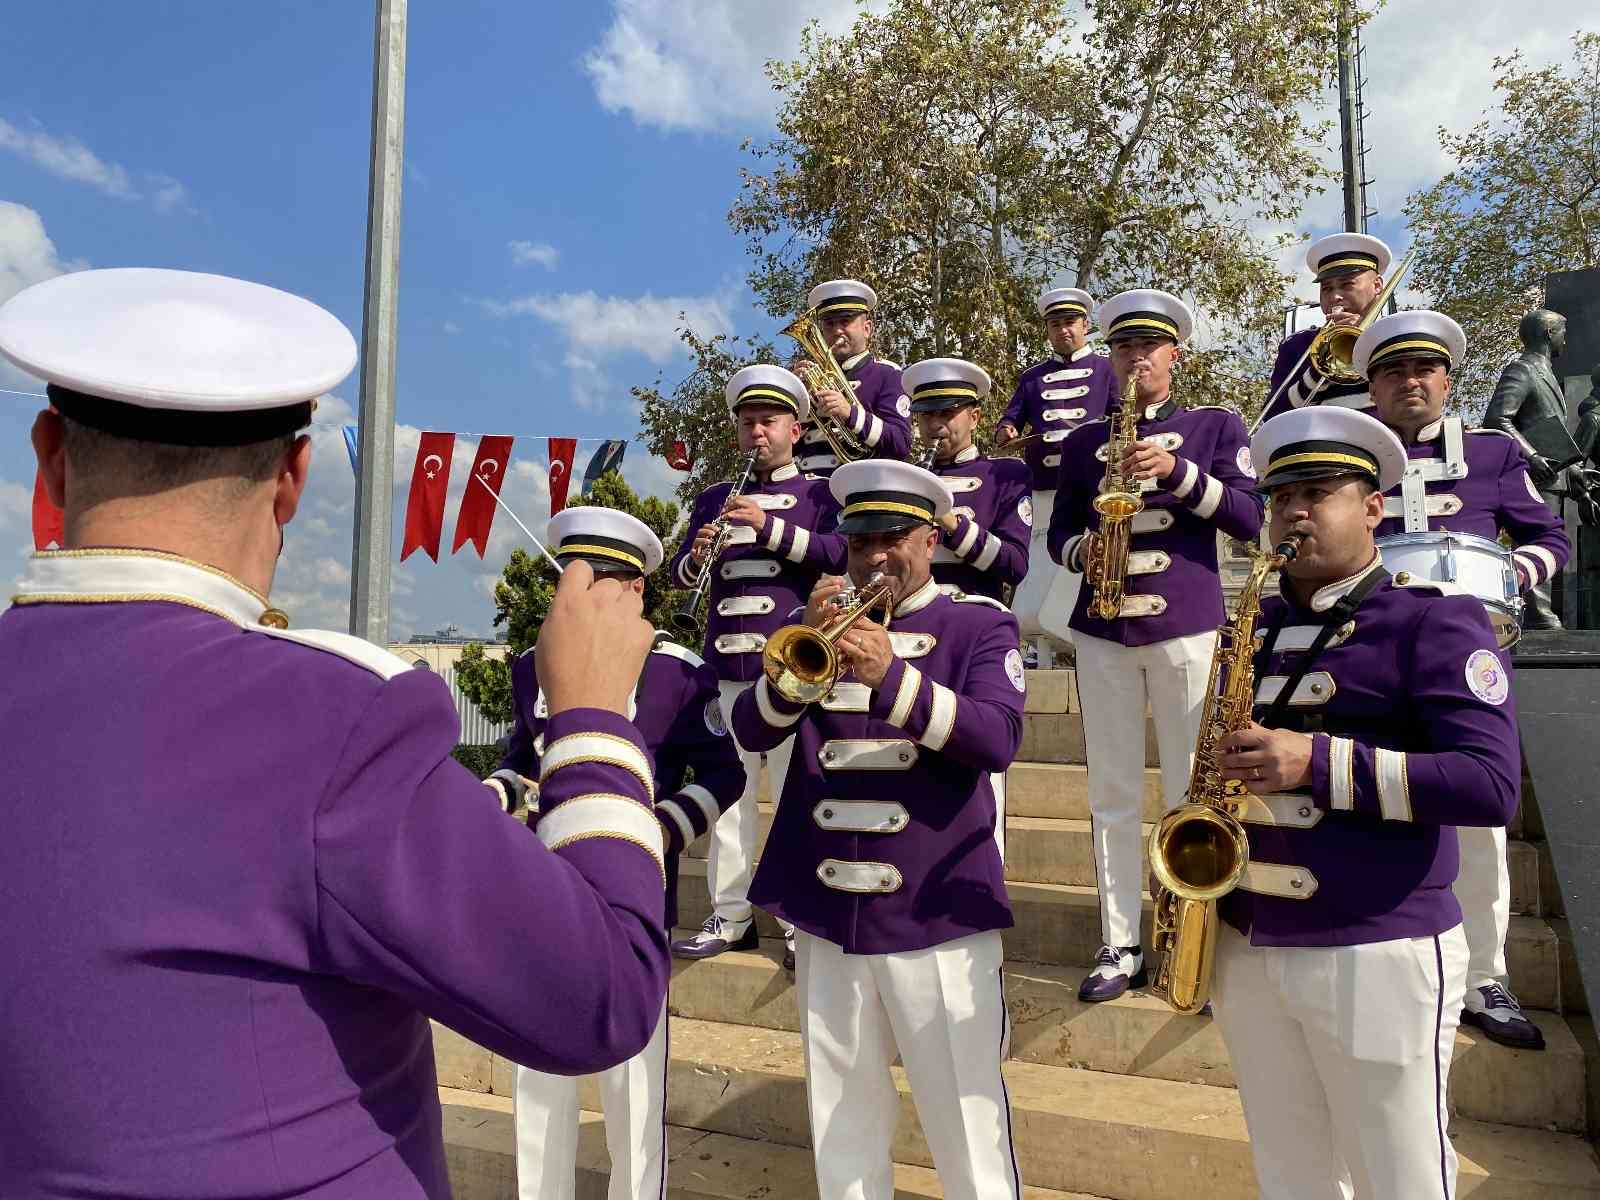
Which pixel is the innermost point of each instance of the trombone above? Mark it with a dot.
(821, 372)
(801, 663)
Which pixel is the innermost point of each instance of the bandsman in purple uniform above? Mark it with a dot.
(879, 415)
(1383, 720)
(677, 711)
(1193, 470)
(1349, 268)
(240, 864)
(883, 854)
(1467, 481)
(783, 540)
(983, 548)
(1051, 399)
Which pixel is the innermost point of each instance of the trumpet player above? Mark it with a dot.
(883, 853)
(983, 545)
(1384, 717)
(1191, 468)
(878, 414)
(781, 539)
(1349, 268)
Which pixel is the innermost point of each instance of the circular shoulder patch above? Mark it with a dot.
(1487, 678)
(1245, 463)
(714, 721)
(903, 406)
(1014, 670)
(1025, 510)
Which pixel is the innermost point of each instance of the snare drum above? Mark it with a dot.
(1472, 563)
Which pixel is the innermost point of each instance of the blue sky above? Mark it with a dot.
(569, 170)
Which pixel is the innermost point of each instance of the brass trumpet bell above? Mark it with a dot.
(801, 663)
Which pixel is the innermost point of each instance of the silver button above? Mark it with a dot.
(884, 882)
(1305, 810)
(1297, 882)
(829, 872)
(905, 756)
(1316, 689)
(827, 814)
(894, 821)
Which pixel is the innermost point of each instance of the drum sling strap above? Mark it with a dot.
(1341, 611)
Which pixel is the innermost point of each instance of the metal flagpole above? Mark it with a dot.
(1348, 122)
(369, 576)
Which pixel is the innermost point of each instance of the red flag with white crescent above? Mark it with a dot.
(678, 458)
(49, 522)
(562, 452)
(477, 502)
(430, 478)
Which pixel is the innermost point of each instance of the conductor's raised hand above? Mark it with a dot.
(593, 644)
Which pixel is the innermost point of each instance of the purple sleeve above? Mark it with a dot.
(1470, 770)
(699, 741)
(980, 725)
(822, 551)
(417, 870)
(879, 424)
(706, 507)
(1221, 491)
(1019, 400)
(1541, 547)
(1074, 493)
(1002, 549)
(1289, 352)
(520, 756)
(762, 719)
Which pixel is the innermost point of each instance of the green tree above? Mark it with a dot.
(1522, 201)
(526, 588)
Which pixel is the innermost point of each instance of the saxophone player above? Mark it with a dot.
(1384, 704)
(1192, 470)
(878, 414)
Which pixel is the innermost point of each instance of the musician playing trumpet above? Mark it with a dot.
(1191, 470)
(781, 539)
(878, 413)
(883, 853)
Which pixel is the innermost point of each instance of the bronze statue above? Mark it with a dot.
(1529, 405)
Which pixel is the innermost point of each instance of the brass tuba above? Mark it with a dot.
(821, 371)
(1105, 567)
(801, 663)
(1199, 850)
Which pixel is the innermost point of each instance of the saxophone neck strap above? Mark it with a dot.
(1338, 613)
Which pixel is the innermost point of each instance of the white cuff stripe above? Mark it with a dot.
(1211, 498)
(1069, 553)
(874, 431)
(603, 815)
(775, 535)
(906, 696)
(685, 566)
(801, 543)
(769, 714)
(858, 418)
(1531, 567)
(1190, 474)
(990, 552)
(942, 720)
(577, 748)
(964, 547)
(704, 800)
(1544, 556)
(1394, 796)
(685, 830)
(1341, 760)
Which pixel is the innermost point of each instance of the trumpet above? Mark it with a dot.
(821, 372)
(801, 663)
(686, 619)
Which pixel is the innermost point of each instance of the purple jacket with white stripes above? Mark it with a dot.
(764, 575)
(1496, 493)
(678, 714)
(1295, 392)
(1172, 587)
(988, 549)
(885, 835)
(1414, 731)
(1052, 398)
(881, 417)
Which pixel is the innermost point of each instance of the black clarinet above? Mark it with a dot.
(687, 618)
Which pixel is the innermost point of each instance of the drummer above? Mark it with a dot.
(1472, 481)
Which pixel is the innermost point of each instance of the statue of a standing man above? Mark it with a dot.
(1529, 405)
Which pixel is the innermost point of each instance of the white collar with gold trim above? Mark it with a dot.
(108, 576)
(966, 456)
(788, 471)
(1327, 596)
(855, 360)
(1431, 430)
(921, 598)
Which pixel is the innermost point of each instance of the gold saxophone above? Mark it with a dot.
(820, 371)
(1199, 850)
(1105, 567)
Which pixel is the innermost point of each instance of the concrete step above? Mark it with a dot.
(1113, 1135)
(1058, 738)
(1051, 692)
(1059, 924)
(1138, 1034)
(480, 1146)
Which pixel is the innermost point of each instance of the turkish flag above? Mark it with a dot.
(562, 452)
(425, 506)
(477, 502)
(49, 522)
(679, 458)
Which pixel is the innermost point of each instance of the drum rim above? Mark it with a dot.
(1435, 536)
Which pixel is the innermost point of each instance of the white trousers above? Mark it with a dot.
(633, 1097)
(1114, 684)
(1342, 1056)
(943, 1009)
(1044, 599)
(1483, 888)
(731, 860)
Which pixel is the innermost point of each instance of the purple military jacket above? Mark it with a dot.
(1305, 379)
(988, 549)
(884, 837)
(765, 574)
(1477, 482)
(1053, 398)
(1172, 588)
(1414, 731)
(240, 870)
(881, 418)
(677, 712)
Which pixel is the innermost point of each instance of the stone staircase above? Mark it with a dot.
(1124, 1100)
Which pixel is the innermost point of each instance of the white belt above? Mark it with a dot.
(860, 816)
(1273, 879)
(740, 643)
(1316, 688)
(1151, 520)
(1280, 808)
(848, 697)
(770, 500)
(1148, 562)
(867, 754)
(1143, 606)
(745, 606)
(845, 876)
(1438, 504)
(912, 645)
(754, 568)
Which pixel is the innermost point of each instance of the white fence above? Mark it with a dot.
(476, 729)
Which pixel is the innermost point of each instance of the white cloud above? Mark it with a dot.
(541, 254)
(68, 158)
(600, 326)
(698, 67)
(27, 257)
